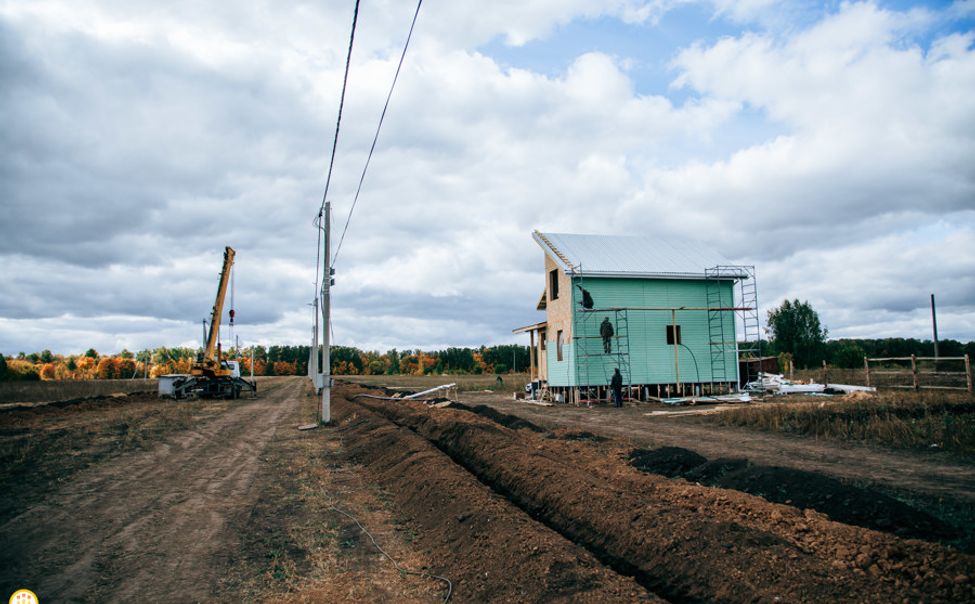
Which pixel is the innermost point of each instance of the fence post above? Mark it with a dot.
(866, 369)
(825, 374)
(968, 372)
(917, 384)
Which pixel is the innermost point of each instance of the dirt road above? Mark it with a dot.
(150, 525)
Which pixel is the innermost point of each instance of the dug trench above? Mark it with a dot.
(683, 541)
(842, 502)
(491, 550)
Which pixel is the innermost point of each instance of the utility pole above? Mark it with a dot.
(934, 325)
(326, 415)
(313, 373)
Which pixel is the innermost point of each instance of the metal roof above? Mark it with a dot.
(630, 256)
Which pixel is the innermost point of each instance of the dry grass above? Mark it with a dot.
(60, 390)
(296, 548)
(42, 447)
(512, 382)
(926, 420)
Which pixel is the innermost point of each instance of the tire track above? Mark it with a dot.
(147, 526)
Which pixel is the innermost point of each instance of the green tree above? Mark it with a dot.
(47, 356)
(91, 353)
(794, 327)
(393, 362)
(849, 355)
(3, 367)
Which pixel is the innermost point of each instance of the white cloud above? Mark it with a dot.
(141, 139)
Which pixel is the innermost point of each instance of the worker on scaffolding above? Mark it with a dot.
(606, 331)
(616, 385)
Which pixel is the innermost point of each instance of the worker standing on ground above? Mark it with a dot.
(606, 331)
(616, 384)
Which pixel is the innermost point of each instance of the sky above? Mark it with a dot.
(830, 144)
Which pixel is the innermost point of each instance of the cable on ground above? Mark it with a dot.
(405, 571)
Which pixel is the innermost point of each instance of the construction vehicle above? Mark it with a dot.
(211, 376)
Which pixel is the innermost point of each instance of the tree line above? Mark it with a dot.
(270, 360)
(794, 330)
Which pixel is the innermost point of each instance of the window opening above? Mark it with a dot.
(553, 284)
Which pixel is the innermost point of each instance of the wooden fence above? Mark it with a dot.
(920, 373)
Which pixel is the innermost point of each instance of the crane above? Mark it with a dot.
(211, 376)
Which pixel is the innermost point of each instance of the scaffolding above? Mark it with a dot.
(591, 354)
(742, 296)
(731, 312)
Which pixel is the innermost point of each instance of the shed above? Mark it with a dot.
(668, 312)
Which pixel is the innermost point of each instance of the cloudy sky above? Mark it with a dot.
(830, 144)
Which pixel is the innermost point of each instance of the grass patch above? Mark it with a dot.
(511, 382)
(43, 447)
(944, 421)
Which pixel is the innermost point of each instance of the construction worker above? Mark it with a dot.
(616, 384)
(606, 331)
(587, 302)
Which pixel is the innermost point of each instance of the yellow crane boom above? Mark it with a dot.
(210, 364)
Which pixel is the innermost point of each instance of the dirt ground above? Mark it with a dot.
(138, 499)
(682, 541)
(935, 482)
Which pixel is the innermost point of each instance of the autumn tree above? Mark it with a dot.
(794, 327)
(48, 371)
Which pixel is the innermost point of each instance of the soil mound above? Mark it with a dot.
(842, 502)
(685, 542)
(490, 549)
(669, 461)
(505, 419)
(805, 490)
(583, 436)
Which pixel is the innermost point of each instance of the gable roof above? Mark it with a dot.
(629, 256)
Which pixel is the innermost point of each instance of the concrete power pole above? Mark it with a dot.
(934, 325)
(326, 415)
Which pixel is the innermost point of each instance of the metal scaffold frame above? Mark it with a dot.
(739, 306)
(747, 342)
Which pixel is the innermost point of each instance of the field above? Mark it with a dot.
(925, 420)
(137, 499)
(465, 383)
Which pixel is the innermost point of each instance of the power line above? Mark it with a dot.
(355, 200)
(335, 143)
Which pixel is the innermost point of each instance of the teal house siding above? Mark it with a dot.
(643, 285)
(641, 335)
(561, 373)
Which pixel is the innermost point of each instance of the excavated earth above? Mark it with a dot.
(528, 514)
(489, 549)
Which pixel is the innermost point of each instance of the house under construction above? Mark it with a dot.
(673, 316)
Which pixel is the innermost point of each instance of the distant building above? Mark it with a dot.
(670, 309)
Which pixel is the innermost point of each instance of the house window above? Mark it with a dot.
(553, 284)
(541, 336)
(558, 344)
(670, 334)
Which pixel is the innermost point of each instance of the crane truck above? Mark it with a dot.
(211, 375)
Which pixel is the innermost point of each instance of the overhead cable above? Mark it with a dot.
(355, 200)
(335, 143)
